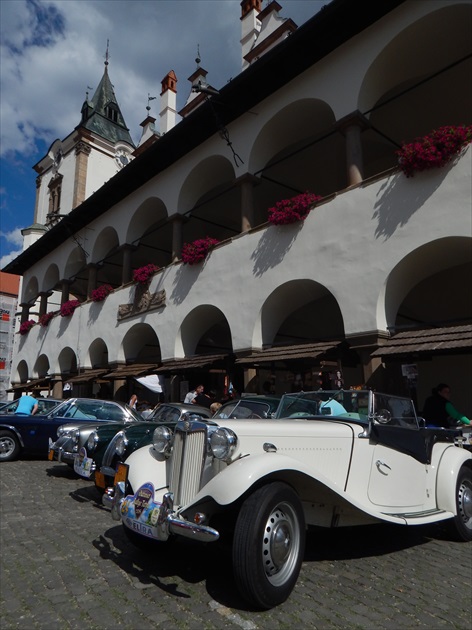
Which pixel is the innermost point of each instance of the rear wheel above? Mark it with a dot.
(9, 446)
(461, 524)
(268, 545)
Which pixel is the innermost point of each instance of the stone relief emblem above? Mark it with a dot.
(143, 302)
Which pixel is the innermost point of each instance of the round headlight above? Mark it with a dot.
(162, 439)
(65, 429)
(92, 441)
(223, 443)
(120, 444)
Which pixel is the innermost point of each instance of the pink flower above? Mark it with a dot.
(433, 150)
(142, 275)
(46, 318)
(26, 326)
(292, 210)
(193, 253)
(68, 308)
(100, 293)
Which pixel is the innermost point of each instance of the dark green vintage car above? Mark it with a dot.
(105, 445)
(132, 437)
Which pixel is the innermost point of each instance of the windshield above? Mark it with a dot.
(349, 405)
(88, 409)
(244, 409)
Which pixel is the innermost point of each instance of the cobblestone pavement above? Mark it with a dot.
(66, 564)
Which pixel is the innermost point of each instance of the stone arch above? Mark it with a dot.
(295, 152)
(210, 200)
(30, 290)
(140, 345)
(66, 362)
(150, 233)
(41, 366)
(107, 256)
(75, 271)
(428, 286)
(98, 354)
(22, 372)
(412, 86)
(205, 330)
(51, 278)
(299, 311)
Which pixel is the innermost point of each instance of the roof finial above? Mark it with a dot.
(87, 92)
(197, 59)
(107, 56)
(150, 98)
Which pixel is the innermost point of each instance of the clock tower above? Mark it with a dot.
(81, 163)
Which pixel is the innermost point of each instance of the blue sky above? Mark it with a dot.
(52, 51)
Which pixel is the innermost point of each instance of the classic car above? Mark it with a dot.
(32, 434)
(330, 459)
(85, 416)
(101, 450)
(253, 406)
(45, 405)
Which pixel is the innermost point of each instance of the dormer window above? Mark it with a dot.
(111, 112)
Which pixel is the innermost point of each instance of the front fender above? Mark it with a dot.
(234, 480)
(143, 467)
(449, 465)
(15, 431)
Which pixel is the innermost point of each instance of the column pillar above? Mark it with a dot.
(82, 152)
(126, 271)
(25, 309)
(246, 183)
(372, 367)
(64, 290)
(352, 127)
(92, 279)
(177, 221)
(43, 305)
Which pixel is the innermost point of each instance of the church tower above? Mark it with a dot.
(77, 166)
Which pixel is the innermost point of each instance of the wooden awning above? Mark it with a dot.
(33, 384)
(194, 362)
(133, 369)
(427, 341)
(88, 375)
(289, 353)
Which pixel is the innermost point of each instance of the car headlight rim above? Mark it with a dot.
(162, 439)
(92, 441)
(223, 443)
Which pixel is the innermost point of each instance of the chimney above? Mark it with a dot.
(250, 26)
(273, 30)
(168, 113)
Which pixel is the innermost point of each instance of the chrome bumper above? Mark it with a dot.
(167, 523)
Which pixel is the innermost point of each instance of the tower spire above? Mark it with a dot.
(107, 56)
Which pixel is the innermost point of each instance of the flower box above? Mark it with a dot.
(68, 308)
(292, 210)
(25, 327)
(45, 319)
(433, 150)
(100, 293)
(195, 252)
(143, 275)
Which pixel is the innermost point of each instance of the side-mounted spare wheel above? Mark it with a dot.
(461, 524)
(268, 545)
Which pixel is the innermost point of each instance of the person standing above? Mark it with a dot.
(133, 401)
(191, 397)
(27, 406)
(438, 408)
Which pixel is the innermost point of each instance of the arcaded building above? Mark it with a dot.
(372, 288)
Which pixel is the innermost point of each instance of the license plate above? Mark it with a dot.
(121, 473)
(51, 455)
(100, 479)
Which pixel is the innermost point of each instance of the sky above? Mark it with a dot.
(53, 51)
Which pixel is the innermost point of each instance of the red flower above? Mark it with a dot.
(26, 326)
(433, 150)
(46, 318)
(142, 275)
(193, 253)
(292, 210)
(100, 293)
(68, 308)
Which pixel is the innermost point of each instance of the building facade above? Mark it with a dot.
(322, 108)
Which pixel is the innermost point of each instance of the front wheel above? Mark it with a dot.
(9, 446)
(461, 524)
(268, 545)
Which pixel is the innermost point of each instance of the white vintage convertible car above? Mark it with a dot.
(329, 459)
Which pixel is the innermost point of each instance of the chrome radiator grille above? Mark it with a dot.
(188, 456)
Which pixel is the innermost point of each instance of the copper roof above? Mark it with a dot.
(286, 353)
(427, 340)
